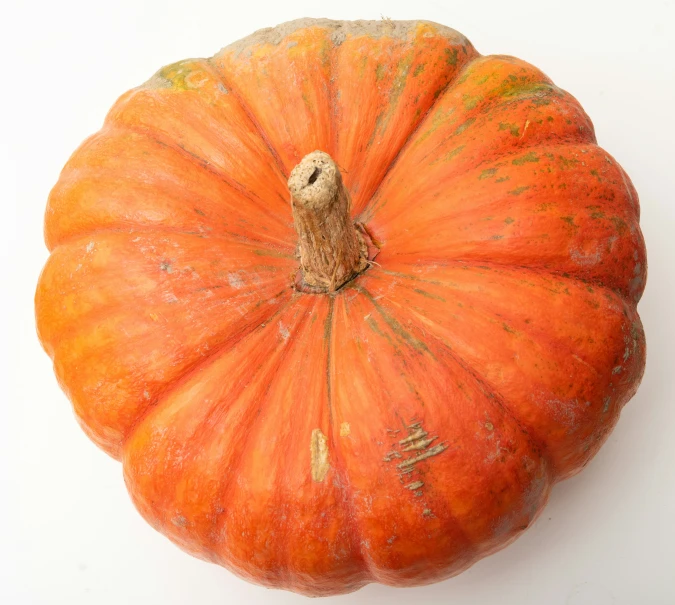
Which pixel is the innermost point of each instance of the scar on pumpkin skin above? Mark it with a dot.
(418, 440)
(318, 448)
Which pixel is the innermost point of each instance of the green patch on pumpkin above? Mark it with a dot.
(528, 157)
(487, 173)
(519, 190)
(380, 70)
(619, 224)
(529, 88)
(455, 152)
(451, 56)
(464, 125)
(429, 294)
(470, 101)
(512, 128)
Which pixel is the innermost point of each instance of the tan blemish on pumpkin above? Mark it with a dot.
(318, 448)
(434, 451)
(417, 434)
(418, 440)
(179, 521)
(389, 456)
(605, 406)
(588, 365)
(419, 445)
(235, 281)
(527, 123)
(345, 430)
(586, 258)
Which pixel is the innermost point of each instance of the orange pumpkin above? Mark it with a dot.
(375, 377)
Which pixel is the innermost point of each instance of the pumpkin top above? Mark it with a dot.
(347, 299)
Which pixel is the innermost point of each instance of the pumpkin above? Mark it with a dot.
(346, 300)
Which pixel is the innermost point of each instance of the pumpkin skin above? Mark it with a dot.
(406, 425)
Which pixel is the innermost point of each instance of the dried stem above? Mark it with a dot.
(331, 249)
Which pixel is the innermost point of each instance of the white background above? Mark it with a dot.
(68, 532)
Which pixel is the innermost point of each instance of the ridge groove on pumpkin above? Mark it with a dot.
(206, 361)
(273, 245)
(476, 113)
(354, 327)
(517, 156)
(150, 185)
(95, 310)
(202, 163)
(247, 110)
(262, 374)
(471, 263)
(365, 211)
(334, 445)
(537, 443)
(225, 491)
(620, 312)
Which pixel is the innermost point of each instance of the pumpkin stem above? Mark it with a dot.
(332, 251)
